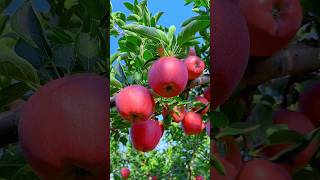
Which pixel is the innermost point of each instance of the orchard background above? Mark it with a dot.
(140, 37)
(34, 48)
(41, 41)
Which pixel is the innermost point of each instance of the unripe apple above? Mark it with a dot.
(168, 76)
(272, 24)
(232, 152)
(203, 101)
(309, 103)
(230, 52)
(300, 123)
(125, 173)
(178, 113)
(63, 128)
(135, 103)
(206, 93)
(145, 135)
(259, 169)
(230, 171)
(192, 123)
(199, 178)
(195, 66)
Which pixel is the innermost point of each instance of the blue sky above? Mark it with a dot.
(174, 13)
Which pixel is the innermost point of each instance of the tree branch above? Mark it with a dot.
(296, 59)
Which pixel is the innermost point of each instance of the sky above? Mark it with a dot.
(175, 13)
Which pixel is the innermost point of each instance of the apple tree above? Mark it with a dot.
(143, 44)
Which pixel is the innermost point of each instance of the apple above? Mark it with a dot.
(63, 129)
(203, 100)
(125, 173)
(192, 123)
(195, 66)
(206, 93)
(232, 152)
(230, 52)
(145, 135)
(309, 103)
(300, 123)
(153, 178)
(272, 24)
(230, 171)
(168, 76)
(178, 113)
(135, 103)
(260, 169)
(199, 178)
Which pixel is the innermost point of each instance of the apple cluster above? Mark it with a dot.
(167, 77)
(244, 28)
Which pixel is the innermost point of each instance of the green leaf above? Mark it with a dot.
(87, 49)
(158, 16)
(285, 136)
(64, 56)
(148, 32)
(129, 6)
(218, 119)
(192, 28)
(26, 24)
(16, 67)
(94, 7)
(217, 164)
(12, 93)
(234, 132)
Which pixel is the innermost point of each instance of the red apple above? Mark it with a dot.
(300, 123)
(192, 123)
(203, 101)
(168, 76)
(195, 66)
(145, 135)
(63, 128)
(125, 173)
(230, 172)
(309, 103)
(206, 93)
(259, 169)
(230, 52)
(199, 178)
(178, 113)
(153, 178)
(272, 24)
(165, 111)
(135, 103)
